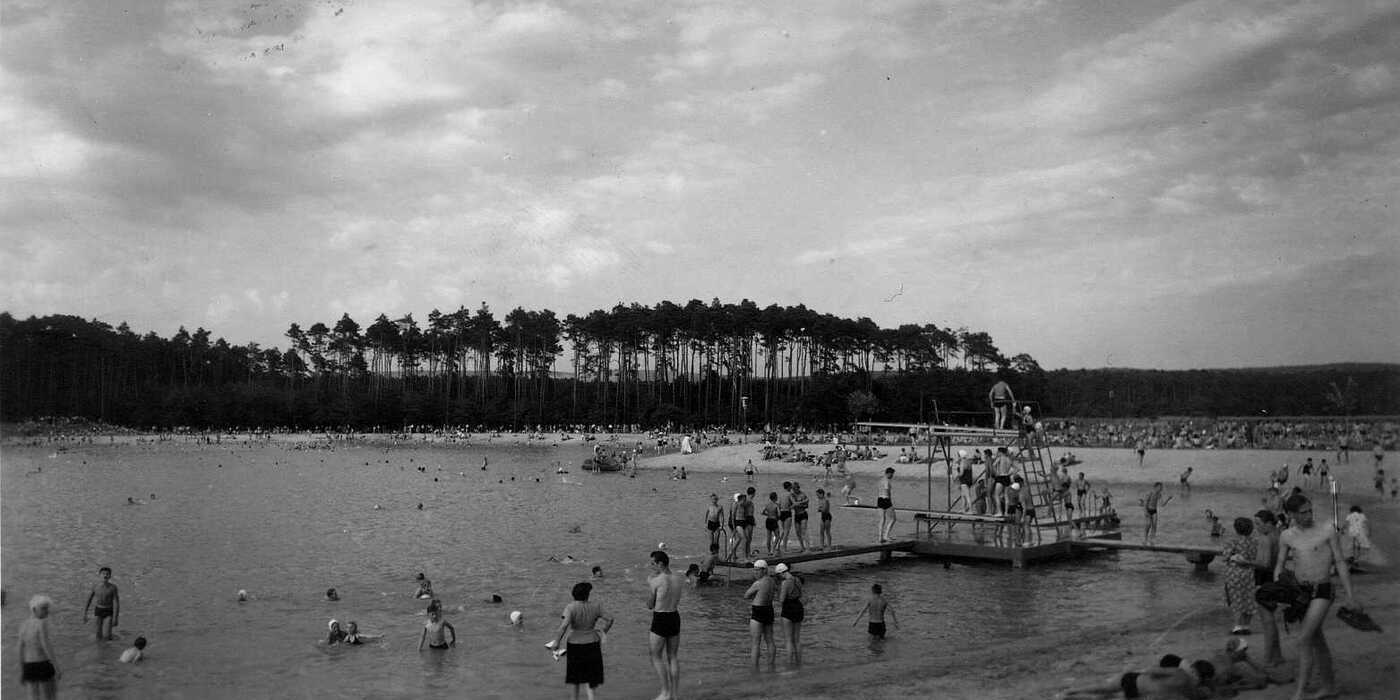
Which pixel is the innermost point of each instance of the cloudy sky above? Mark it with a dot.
(1096, 183)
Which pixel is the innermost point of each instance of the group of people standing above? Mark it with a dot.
(783, 516)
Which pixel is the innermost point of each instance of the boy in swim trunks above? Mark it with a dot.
(37, 672)
(885, 502)
(714, 516)
(1315, 550)
(664, 639)
(435, 631)
(1151, 501)
(876, 606)
(760, 597)
(109, 605)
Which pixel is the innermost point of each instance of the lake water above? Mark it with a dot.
(285, 524)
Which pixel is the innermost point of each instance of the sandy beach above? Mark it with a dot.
(1367, 664)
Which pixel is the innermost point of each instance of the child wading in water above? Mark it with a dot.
(433, 631)
(876, 606)
(37, 672)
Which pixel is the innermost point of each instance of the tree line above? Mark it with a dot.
(680, 365)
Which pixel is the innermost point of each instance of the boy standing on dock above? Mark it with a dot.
(885, 502)
(1151, 502)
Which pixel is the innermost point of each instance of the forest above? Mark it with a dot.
(696, 364)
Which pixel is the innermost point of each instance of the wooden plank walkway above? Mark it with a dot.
(883, 549)
(1139, 546)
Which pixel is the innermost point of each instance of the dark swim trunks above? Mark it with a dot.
(770, 524)
(749, 521)
(1003, 480)
(793, 610)
(439, 646)
(37, 672)
(800, 517)
(1319, 591)
(101, 612)
(876, 629)
(666, 624)
(884, 503)
(784, 514)
(826, 517)
(712, 525)
(763, 614)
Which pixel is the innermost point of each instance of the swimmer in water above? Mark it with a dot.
(425, 587)
(331, 594)
(336, 634)
(353, 635)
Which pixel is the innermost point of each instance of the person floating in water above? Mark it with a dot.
(108, 609)
(336, 634)
(331, 594)
(425, 587)
(353, 635)
(136, 653)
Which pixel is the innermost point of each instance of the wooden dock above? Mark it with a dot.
(884, 549)
(1199, 555)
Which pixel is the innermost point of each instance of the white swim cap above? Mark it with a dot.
(40, 601)
(761, 564)
(332, 623)
(660, 545)
(962, 453)
(516, 616)
(782, 568)
(242, 594)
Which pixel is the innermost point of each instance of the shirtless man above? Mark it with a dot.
(760, 597)
(800, 503)
(1002, 401)
(714, 518)
(1314, 550)
(1185, 480)
(109, 605)
(965, 480)
(885, 502)
(664, 639)
(1001, 468)
(1151, 502)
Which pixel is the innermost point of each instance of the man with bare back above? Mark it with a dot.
(664, 639)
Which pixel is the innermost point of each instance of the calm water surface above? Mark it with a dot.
(286, 524)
